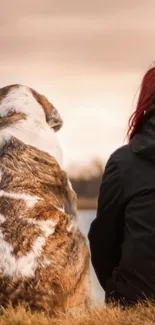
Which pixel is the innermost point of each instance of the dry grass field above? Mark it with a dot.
(96, 315)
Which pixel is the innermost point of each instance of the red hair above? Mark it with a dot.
(146, 102)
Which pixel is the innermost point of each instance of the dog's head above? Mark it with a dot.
(19, 102)
(31, 118)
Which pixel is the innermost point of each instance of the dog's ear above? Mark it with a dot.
(11, 116)
(4, 91)
(10, 119)
(53, 118)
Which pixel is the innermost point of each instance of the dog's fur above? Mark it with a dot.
(44, 259)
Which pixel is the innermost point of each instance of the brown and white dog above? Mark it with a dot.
(44, 260)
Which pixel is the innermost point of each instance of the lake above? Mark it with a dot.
(85, 217)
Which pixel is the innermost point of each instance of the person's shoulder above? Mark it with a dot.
(122, 154)
(121, 161)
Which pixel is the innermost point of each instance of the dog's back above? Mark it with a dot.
(43, 256)
(44, 259)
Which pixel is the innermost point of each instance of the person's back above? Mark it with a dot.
(122, 237)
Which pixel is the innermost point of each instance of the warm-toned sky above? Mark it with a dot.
(87, 56)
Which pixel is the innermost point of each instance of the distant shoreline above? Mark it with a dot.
(87, 203)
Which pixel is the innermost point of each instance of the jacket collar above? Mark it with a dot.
(143, 142)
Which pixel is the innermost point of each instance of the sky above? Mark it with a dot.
(87, 57)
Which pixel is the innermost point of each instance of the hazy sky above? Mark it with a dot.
(87, 56)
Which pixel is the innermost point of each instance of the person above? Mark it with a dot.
(122, 237)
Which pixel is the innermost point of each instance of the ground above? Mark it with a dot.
(97, 315)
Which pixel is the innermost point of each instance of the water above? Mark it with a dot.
(85, 218)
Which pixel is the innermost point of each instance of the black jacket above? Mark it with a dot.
(122, 237)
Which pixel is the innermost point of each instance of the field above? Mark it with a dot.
(98, 315)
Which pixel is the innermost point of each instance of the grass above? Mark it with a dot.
(97, 315)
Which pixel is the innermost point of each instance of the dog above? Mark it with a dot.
(44, 259)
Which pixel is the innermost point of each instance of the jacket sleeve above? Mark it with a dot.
(106, 231)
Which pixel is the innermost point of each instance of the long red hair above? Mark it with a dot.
(146, 102)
